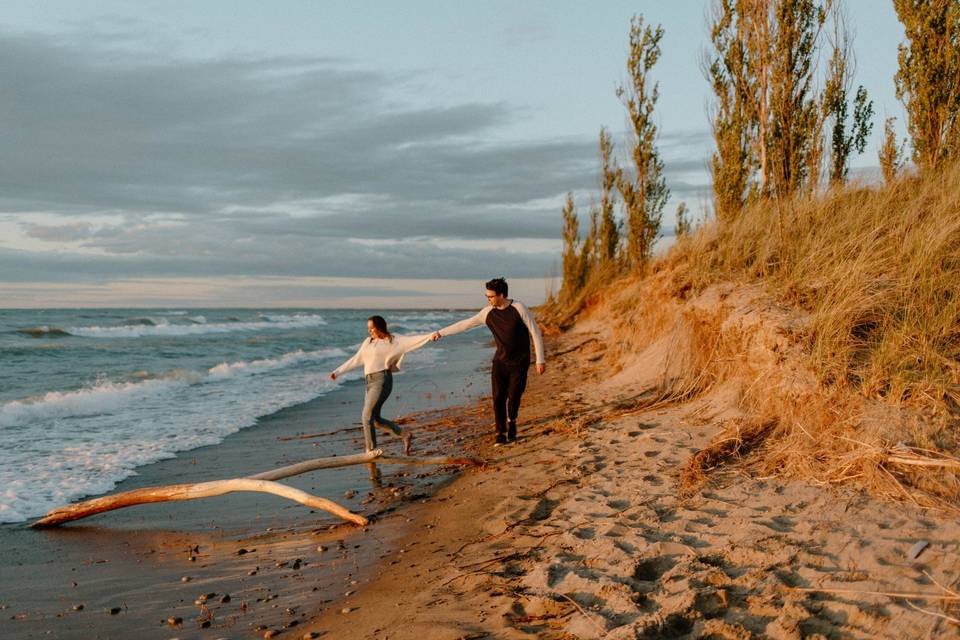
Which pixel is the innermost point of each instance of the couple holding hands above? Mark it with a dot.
(512, 327)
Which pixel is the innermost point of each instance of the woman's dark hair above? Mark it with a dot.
(497, 285)
(380, 325)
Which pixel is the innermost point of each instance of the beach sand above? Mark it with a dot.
(575, 531)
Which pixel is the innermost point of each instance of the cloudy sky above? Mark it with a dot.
(320, 153)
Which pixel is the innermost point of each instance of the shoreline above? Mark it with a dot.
(279, 563)
(578, 531)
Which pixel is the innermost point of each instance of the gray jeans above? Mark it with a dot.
(379, 386)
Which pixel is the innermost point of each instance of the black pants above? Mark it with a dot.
(508, 381)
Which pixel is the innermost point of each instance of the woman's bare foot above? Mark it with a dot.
(407, 442)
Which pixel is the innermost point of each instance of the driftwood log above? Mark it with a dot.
(264, 482)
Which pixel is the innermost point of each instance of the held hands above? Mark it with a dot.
(436, 336)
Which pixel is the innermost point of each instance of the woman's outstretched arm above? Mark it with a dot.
(352, 363)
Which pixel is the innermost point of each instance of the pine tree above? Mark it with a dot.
(645, 193)
(928, 78)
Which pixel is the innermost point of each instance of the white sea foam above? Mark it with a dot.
(229, 370)
(113, 427)
(163, 328)
(103, 397)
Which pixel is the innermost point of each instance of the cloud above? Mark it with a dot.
(267, 165)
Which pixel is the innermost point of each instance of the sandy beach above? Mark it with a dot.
(241, 564)
(578, 530)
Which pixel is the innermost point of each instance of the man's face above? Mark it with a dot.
(495, 299)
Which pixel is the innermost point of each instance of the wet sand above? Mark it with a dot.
(242, 564)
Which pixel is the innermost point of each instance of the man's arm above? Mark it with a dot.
(464, 325)
(534, 330)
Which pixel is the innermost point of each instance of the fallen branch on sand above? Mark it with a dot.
(737, 438)
(192, 491)
(949, 597)
(264, 482)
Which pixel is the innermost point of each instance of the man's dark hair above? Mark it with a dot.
(497, 285)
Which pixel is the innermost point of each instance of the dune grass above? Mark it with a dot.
(875, 274)
(877, 269)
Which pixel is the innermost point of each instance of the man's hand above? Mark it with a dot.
(333, 376)
(541, 368)
(436, 336)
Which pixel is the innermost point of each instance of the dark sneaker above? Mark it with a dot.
(501, 440)
(511, 431)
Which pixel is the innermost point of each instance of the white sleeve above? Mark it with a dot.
(534, 330)
(465, 325)
(402, 345)
(409, 343)
(353, 362)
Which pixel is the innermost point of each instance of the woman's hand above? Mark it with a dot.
(333, 376)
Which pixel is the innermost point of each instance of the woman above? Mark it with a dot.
(380, 355)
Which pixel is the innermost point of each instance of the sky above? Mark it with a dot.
(302, 153)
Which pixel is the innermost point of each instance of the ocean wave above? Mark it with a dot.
(106, 396)
(253, 367)
(146, 322)
(297, 317)
(43, 332)
(103, 397)
(166, 329)
(38, 472)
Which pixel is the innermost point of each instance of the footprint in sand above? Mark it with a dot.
(651, 454)
(652, 479)
(586, 533)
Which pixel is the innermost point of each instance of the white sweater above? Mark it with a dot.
(382, 354)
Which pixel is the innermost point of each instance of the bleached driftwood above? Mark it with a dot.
(262, 482)
(191, 491)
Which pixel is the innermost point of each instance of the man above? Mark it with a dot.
(512, 326)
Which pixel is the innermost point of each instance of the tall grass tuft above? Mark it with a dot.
(877, 269)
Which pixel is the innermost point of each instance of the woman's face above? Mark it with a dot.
(372, 330)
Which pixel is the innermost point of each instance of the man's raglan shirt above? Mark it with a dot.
(511, 327)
